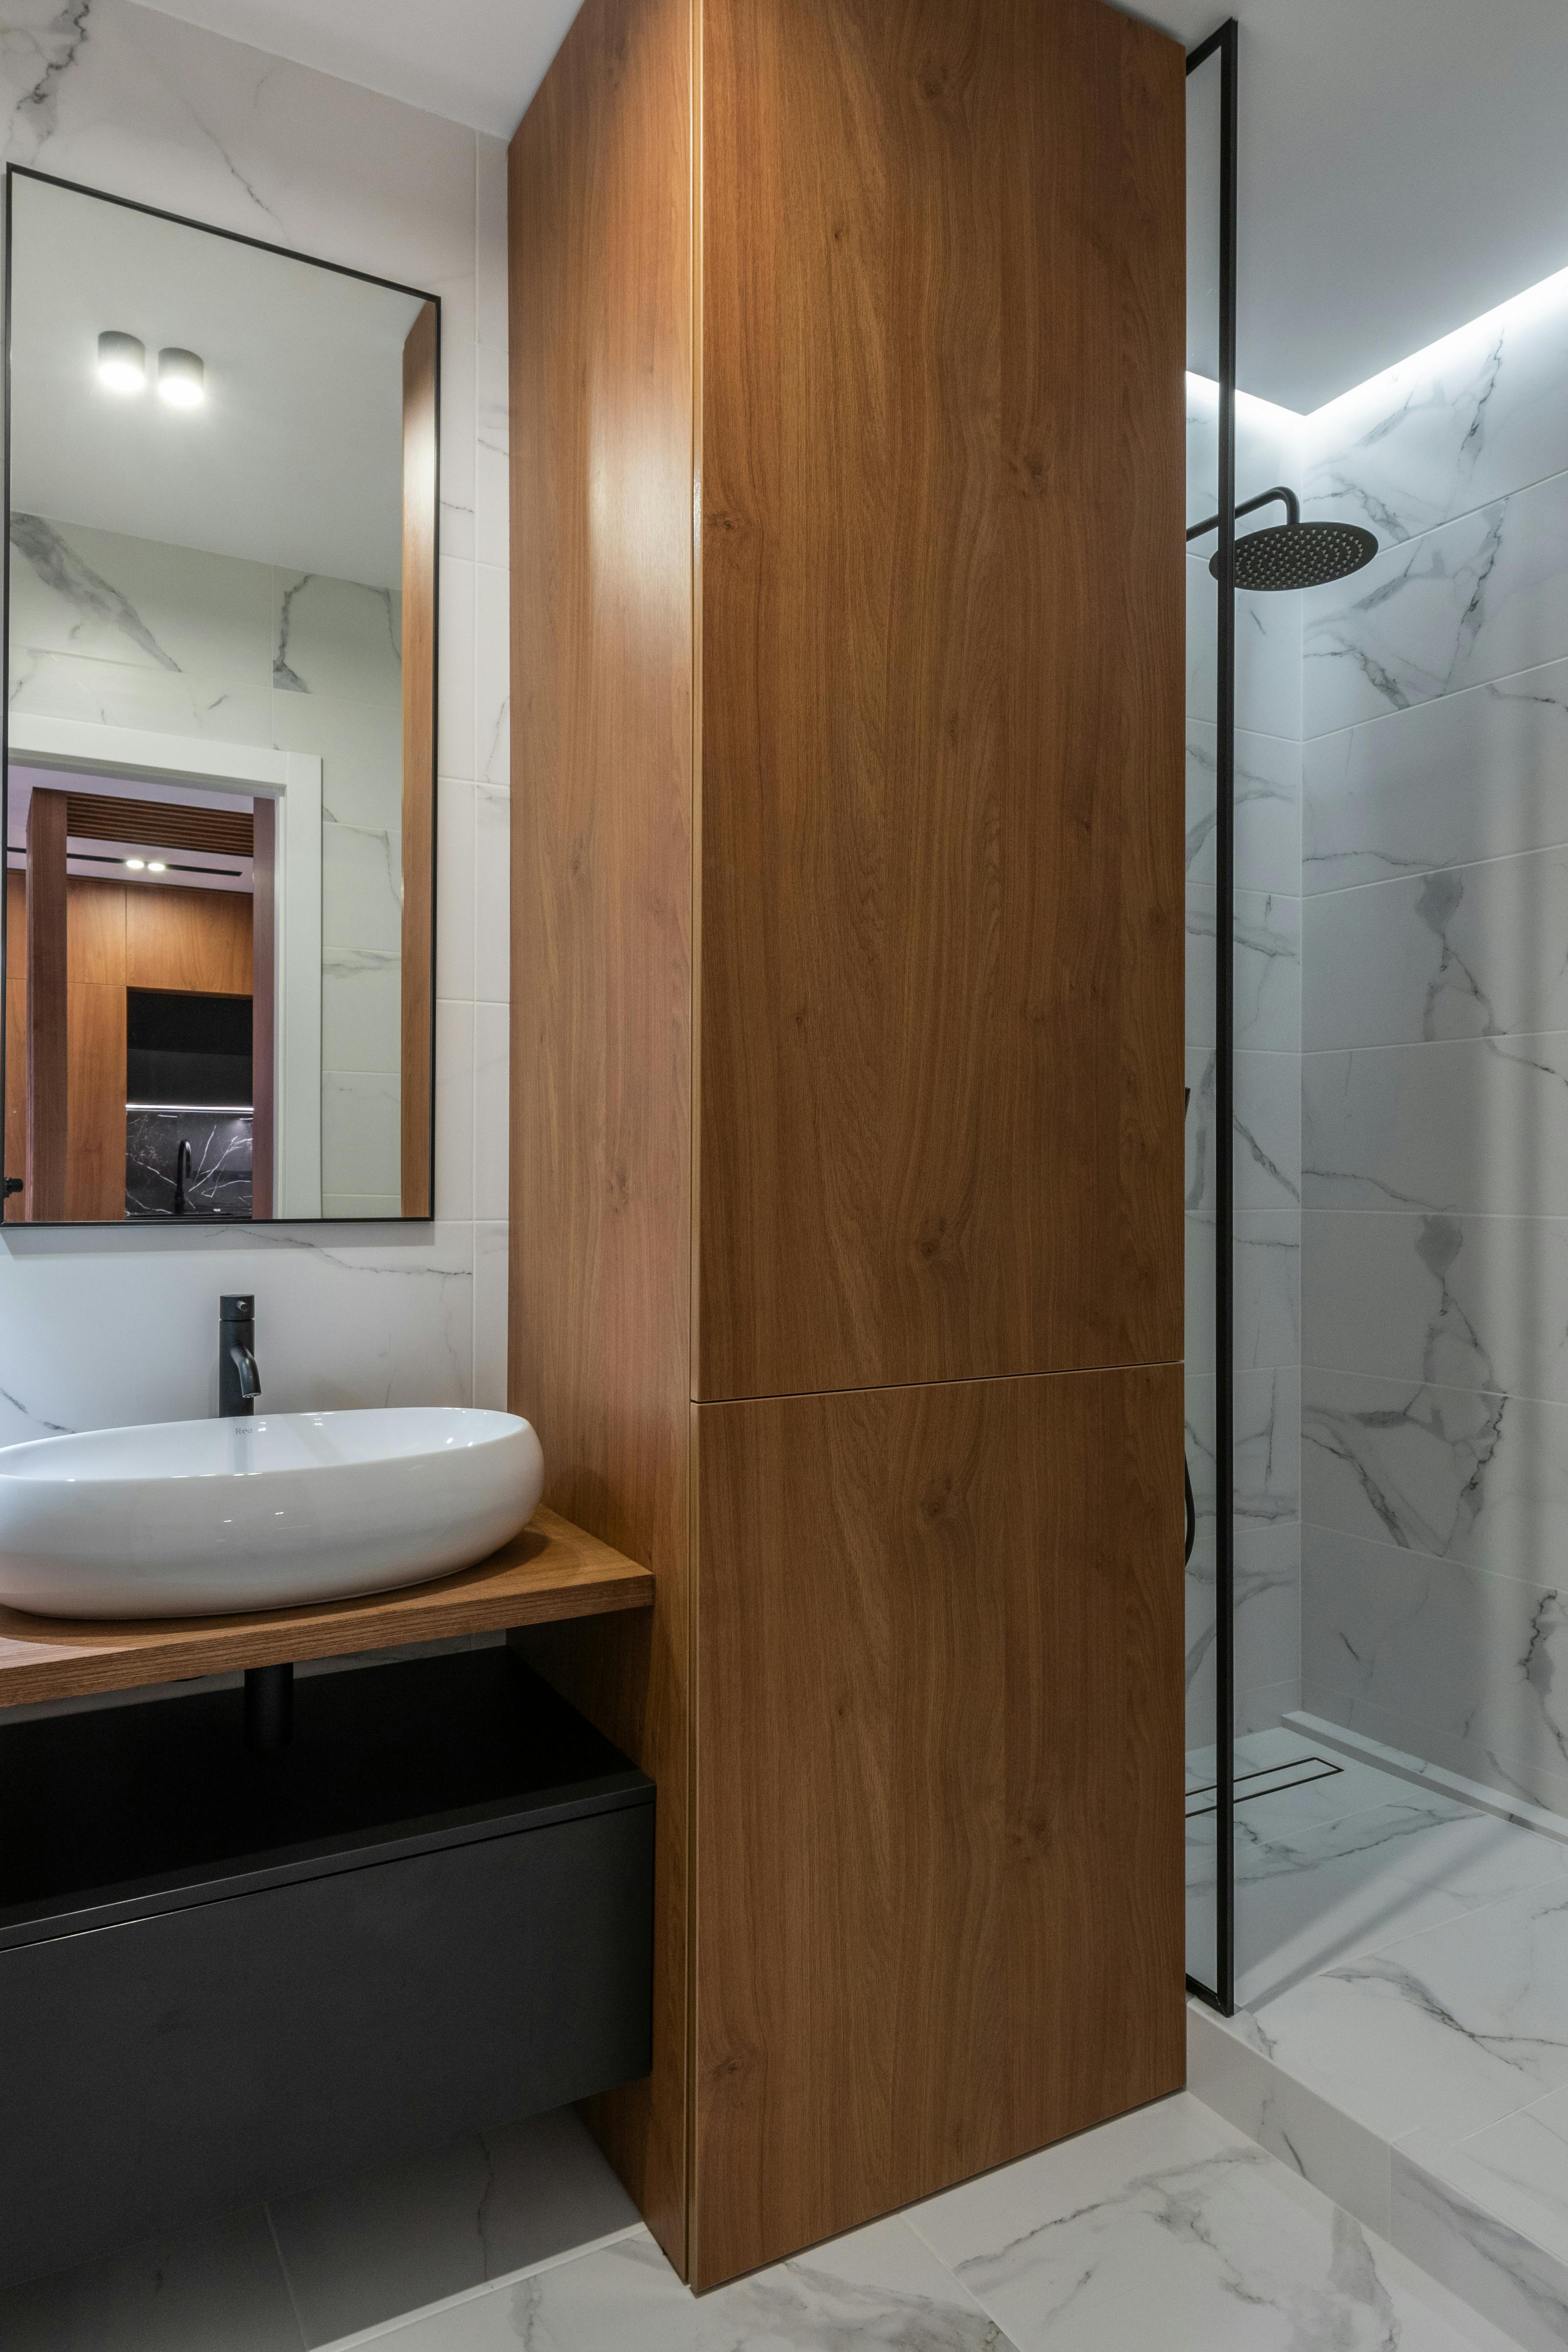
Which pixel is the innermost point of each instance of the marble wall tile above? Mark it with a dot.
(1464, 951)
(1267, 1130)
(455, 1117)
(1266, 1659)
(455, 888)
(1268, 788)
(493, 471)
(490, 239)
(1434, 1656)
(1269, 679)
(1479, 598)
(121, 694)
(491, 1266)
(1475, 1123)
(492, 676)
(1266, 1295)
(491, 1098)
(1473, 1302)
(1456, 1473)
(107, 597)
(1266, 967)
(1269, 448)
(361, 1137)
(455, 685)
(336, 638)
(1516, 2282)
(492, 894)
(1267, 1414)
(1476, 415)
(1480, 773)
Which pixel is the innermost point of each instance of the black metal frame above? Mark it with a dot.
(14, 172)
(1221, 1995)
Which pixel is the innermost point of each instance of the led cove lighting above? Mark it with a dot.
(121, 361)
(136, 863)
(182, 378)
(156, 866)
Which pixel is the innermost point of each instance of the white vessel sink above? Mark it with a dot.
(200, 1517)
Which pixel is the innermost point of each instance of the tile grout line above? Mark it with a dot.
(386, 2329)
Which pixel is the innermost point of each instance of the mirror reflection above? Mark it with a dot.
(219, 778)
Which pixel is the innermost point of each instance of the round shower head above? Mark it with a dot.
(1299, 554)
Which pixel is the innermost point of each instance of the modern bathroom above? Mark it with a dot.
(783, 1288)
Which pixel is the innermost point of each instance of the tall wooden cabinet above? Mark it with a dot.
(846, 348)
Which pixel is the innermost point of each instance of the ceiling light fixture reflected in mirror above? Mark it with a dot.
(182, 378)
(137, 865)
(121, 361)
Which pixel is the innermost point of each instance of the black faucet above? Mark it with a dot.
(239, 1381)
(182, 1174)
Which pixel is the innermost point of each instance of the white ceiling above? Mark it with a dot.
(294, 458)
(1404, 165)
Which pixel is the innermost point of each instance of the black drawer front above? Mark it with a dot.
(239, 2050)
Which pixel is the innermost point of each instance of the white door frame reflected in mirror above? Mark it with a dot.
(292, 782)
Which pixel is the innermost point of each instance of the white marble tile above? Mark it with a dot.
(218, 2285)
(1265, 1408)
(106, 597)
(1267, 1131)
(124, 694)
(358, 742)
(492, 894)
(1476, 415)
(1516, 2283)
(1467, 1301)
(455, 888)
(1460, 1474)
(455, 684)
(492, 1053)
(1300, 2129)
(362, 1135)
(1465, 951)
(1268, 803)
(1269, 672)
(492, 676)
(1267, 1288)
(1447, 1660)
(382, 2245)
(1446, 2030)
(1463, 1123)
(491, 1258)
(336, 638)
(1482, 773)
(881, 2287)
(1516, 2169)
(454, 1110)
(1169, 2228)
(493, 468)
(458, 411)
(1266, 1617)
(1475, 599)
(1266, 967)
(341, 1320)
(490, 238)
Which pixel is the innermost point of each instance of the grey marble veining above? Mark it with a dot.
(1460, 1124)
(1266, 967)
(1479, 416)
(1478, 599)
(1461, 951)
(1267, 801)
(1267, 1140)
(1501, 2270)
(1464, 1301)
(1476, 774)
(1266, 1288)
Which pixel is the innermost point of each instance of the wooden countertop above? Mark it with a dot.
(551, 1571)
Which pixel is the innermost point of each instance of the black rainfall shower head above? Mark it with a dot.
(1292, 555)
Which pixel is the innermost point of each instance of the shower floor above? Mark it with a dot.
(1402, 1956)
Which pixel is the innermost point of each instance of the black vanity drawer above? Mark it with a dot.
(198, 2053)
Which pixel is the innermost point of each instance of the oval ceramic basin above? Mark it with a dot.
(200, 1517)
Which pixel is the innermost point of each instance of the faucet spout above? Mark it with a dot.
(238, 1379)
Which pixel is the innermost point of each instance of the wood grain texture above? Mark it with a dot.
(47, 1069)
(263, 1008)
(15, 1037)
(95, 1173)
(941, 708)
(939, 1759)
(601, 363)
(165, 824)
(421, 361)
(552, 1570)
(187, 940)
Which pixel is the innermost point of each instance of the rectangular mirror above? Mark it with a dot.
(219, 757)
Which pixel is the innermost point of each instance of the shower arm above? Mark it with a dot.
(1264, 497)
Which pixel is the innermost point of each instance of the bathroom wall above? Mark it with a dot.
(1268, 1091)
(189, 643)
(1434, 1430)
(100, 1328)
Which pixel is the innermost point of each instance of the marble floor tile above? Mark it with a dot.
(1446, 2032)
(1168, 2229)
(1511, 2279)
(389, 2241)
(1517, 2169)
(215, 2289)
(878, 2290)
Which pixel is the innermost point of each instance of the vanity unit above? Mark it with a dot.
(846, 367)
(231, 1972)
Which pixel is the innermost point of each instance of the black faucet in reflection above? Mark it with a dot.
(181, 1175)
(238, 1380)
